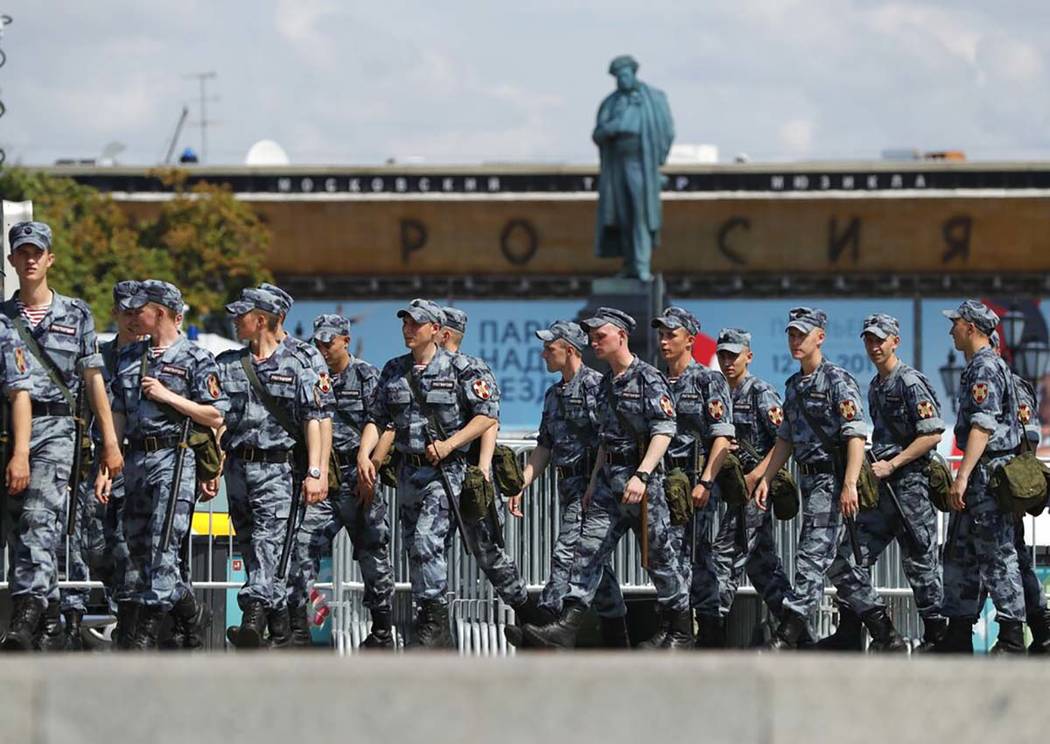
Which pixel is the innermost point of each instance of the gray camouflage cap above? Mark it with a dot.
(881, 325)
(284, 299)
(604, 315)
(733, 340)
(256, 298)
(330, 325)
(977, 313)
(423, 311)
(564, 330)
(677, 317)
(123, 292)
(37, 233)
(806, 319)
(455, 319)
(154, 290)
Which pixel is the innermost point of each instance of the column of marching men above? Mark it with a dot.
(303, 432)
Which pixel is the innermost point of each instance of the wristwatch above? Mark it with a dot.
(314, 472)
(642, 476)
(706, 484)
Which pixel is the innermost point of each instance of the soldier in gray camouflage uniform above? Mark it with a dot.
(757, 414)
(161, 382)
(363, 513)
(636, 424)
(261, 458)
(831, 398)
(980, 547)
(907, 425)
(704, 417)
(463, 403)
(567, 437)
(61, 332)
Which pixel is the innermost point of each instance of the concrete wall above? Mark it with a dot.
(290, 699)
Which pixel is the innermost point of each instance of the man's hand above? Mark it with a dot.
(850, 500)
(634, 492)
(366, 485)
(701, 495)
(17, 476)
(209, 489)
(957, 494)
(514, 505)
(762, 494)
(883, 469)
(437, 451)
(154, 389)
(112, 459)
(103, 486)
(751, 480)
(315, 490)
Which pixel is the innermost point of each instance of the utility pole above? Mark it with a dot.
(203, 78)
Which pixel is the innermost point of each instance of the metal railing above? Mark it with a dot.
(477, 614)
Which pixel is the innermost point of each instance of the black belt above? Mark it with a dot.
(628, 459)
(40, 408)
(416, 461)
(816, 468)
(152, 444)
(993, 454)
(268, 456)
(572, 471)
(346, 459)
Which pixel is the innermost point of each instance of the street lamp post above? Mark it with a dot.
(951, 375)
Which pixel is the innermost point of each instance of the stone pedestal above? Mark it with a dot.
(641, 300)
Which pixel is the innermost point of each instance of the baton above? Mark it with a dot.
(909, 528)
(173, 497)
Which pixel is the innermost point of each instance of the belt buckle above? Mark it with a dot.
(249, 454)
(150, 444)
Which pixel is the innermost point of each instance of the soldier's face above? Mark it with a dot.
(801, 344)
(146, 319)
(556, 354)
(335, 350)
(247, 326)
(733, 365)
(961, 331)
(31, 262)
(880, 349)
(418, 335)
(607, 340)
(125, 321)
(673, 344)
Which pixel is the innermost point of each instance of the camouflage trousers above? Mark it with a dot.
(981, 551)
(745, 543)
(260, 496)
(369, 531)
(876, 528)
(820, 533)
(153, 575)
(36, 517)
(426, 530)
(1034, 596)
(692, 545)
(608, 599)
(606, 520)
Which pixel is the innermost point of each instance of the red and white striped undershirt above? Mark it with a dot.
(156, 352)
(33, 314)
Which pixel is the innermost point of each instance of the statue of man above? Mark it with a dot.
(634, 134)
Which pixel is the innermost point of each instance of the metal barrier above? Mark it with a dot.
(477, 614)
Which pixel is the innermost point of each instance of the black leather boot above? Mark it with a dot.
(661, 637)
(848, 636)
(614, 632)
(958, 639)
(788, 632)
(528, 612)
(432, 631)
(147, 628)
(1039, 624)
(192, 619)
(934, 629)
(562, 632)
(26, 612)
(300, 625)
(280, 625)
(74, 641)
(1011, 639)
(52, 637)
(884, 637)
(712, 631)
(249, 634)
(381, 638)
(680, 634)
(127, 615)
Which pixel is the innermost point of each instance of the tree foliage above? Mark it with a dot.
(203, 240)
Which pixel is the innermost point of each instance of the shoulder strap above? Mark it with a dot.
(266, 399)
(1015, 403)
(45, 361)
(417, 395)
(896, 433)
(822, 435)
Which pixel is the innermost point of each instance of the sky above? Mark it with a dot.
(339, 82)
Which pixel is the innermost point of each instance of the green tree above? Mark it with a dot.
(202, 239)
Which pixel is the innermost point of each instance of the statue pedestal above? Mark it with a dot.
(641, 300)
